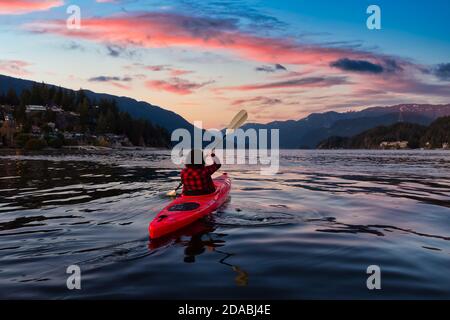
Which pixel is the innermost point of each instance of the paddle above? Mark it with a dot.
(173, 193)
(237, 121)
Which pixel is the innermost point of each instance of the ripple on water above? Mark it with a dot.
(308, 232)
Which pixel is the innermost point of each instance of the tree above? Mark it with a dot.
(49, 115)
(25, 97)
(102, 124)
(20, 114)
(437, 133)
(111, 121)
(57, 97)
(83, 109)
(11, 97)
(36, 95)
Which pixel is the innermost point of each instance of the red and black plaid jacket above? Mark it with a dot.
(197, 181)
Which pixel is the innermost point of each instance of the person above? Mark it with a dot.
(196, 176)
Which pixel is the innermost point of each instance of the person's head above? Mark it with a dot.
(195, 159)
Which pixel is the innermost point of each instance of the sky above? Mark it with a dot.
(206, 60)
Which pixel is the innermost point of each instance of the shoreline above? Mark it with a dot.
(99, 148)
(85, 148)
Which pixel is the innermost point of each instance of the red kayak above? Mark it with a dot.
(184, 210)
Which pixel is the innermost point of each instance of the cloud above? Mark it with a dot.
(26, 6)
(174, 72)
(260, 100)
(404, 84)
(113, 51)
(120, 85)
(393, 66)
(226, 36)
(157, 68)
(119, 51)
(271, 69)
(74, 46)
(280, 67)
(176, 85)
(14, 67)
(108, 78)
(248, 14)
(116, 81)
(383, 65)
(357, 66)
(306, 82)
(180, 72)
(442, 71)
(160, 30)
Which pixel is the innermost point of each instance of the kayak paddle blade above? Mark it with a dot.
(237, 121)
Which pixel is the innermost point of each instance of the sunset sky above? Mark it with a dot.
(208, 59)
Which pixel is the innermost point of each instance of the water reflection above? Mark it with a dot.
(375, 229)
(40, 184)
(201, 238)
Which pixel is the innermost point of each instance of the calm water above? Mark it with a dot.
(309, 232)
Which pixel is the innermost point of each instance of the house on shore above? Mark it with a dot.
(35, 108)
(394, 145)
(117, 141)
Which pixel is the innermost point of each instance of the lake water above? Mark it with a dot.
(310, 231)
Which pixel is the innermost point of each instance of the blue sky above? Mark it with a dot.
(207, 59)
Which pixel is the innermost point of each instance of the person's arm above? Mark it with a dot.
(215, 166)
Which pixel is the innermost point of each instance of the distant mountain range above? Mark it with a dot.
(309, 131)
(303, 133)
(137, 109)
(400, 135)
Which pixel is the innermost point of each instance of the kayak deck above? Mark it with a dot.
(187, 209)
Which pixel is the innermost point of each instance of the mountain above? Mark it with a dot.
(436, 135)
(303, 133)
(137, 109)
(373, 138)
(309, 131)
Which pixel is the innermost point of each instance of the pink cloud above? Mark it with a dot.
(14, 67)
(175, 85)
(27, 6)
(410, 83)
(179, 72)
(120, 85)
(174, 72)
(116, 81)
(157, 67)
(306, 82)
(161, 30)
(156, 30)
(260, 100)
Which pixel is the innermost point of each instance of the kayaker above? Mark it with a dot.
(196, 176)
